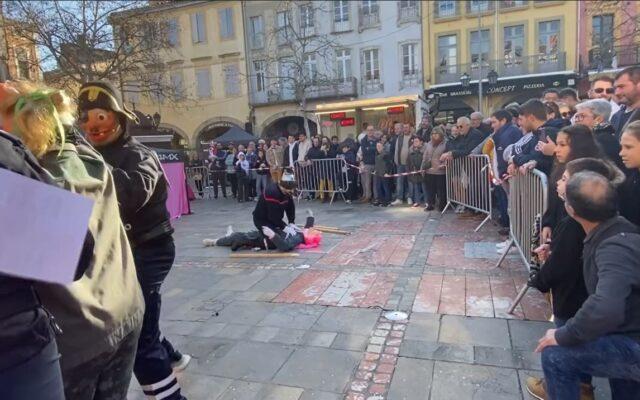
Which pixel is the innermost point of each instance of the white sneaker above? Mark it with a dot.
(209, 242)
(396, 202)
(181, 364)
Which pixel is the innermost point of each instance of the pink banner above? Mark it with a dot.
(177, 202)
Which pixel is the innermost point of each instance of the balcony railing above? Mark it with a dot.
(372, 86)
(410, 80)
(614, 57)
(475, 7)
(508, 66)
(408, 13)
(447, 9)
(282, 93)
(342, 26)
(508, 4)
(368, 17)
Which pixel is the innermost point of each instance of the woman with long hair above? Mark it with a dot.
(572, 142)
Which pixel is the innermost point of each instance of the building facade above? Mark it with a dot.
(372, 73)
(609, 38)
(18, 57)
(203, 70)
(529, 45)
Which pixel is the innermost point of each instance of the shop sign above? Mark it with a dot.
(506, 86)
(395, 110)
(337, 115)
(348, 122)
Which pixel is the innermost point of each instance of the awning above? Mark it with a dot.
(452, 103)
(364, 103)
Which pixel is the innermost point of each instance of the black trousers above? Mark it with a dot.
(244, 188)
(233, 181)
(218, 178)
(152, 367)
(436, 187)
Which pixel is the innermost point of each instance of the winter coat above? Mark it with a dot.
(275, 157)
(261, 162)
(383, 164)
(141, 186)
(524, 150)
(630, 196)
(24, 327)
(622, 118)
(414, 163)
(505, 136)
(605, 136)
(462, 145)
(611, 270)
(315, 153)
(562, 272)
(230, 162)
(431, 158)
(105, 305)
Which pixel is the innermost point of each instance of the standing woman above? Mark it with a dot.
(243, 168)
(262, 171)
(630, 153)
(314, 172)
(230, 164)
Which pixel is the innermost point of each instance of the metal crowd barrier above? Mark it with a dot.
(527, 204)
(469, 184)
(327, 175)
(199, 179)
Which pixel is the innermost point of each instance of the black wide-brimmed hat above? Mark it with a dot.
(102, 94)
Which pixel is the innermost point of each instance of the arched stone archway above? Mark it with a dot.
(285, 123)
(211, 129)
(169, 128)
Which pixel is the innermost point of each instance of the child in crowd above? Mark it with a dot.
(414, 164)
(381, 171)
(243, 169)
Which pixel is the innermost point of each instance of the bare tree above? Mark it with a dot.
(297, 55)
(86, 40)
(619, 32)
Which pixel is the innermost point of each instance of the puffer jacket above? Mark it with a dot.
(102, 307)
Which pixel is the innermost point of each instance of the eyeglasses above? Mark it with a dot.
(579, 117)
(608, 90)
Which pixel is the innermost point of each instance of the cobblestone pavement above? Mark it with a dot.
(313, 327)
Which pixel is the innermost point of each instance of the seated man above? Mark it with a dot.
(603, 338)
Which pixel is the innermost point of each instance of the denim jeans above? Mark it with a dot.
(502, 202)
(38, 378)
(415, 192)
(616, 357)
(384, 189)
(560, 322)
(401, 182)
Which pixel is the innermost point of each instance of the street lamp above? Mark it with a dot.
(465, 79)
(492, 76)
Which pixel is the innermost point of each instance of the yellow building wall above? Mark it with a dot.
(188, 117)
(529, 15)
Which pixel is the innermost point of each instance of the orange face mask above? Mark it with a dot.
(101, 127)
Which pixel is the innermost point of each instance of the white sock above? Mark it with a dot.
(209, 242)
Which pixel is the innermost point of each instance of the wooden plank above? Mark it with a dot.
(263, 255)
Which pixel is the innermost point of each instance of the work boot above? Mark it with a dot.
(537, 388)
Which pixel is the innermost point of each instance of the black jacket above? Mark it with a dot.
(141, 187)
(485, 130)
(368, 147)
(503, 137)
(525, 149)
(315, 153)
(272, 207)
(285, 156)
(562, 272)
(629, 198)
(622, 118)
(462, 145)
(606, 139)
(612, 277)
(24, 326)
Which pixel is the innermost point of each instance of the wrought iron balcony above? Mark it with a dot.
(607, 57)
(475, 7)
(368, 17)
(413, 79)
(285, 93)
(409, 12)
(446, 9)
(511, 65)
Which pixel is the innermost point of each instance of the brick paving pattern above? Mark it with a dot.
(312, 327)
